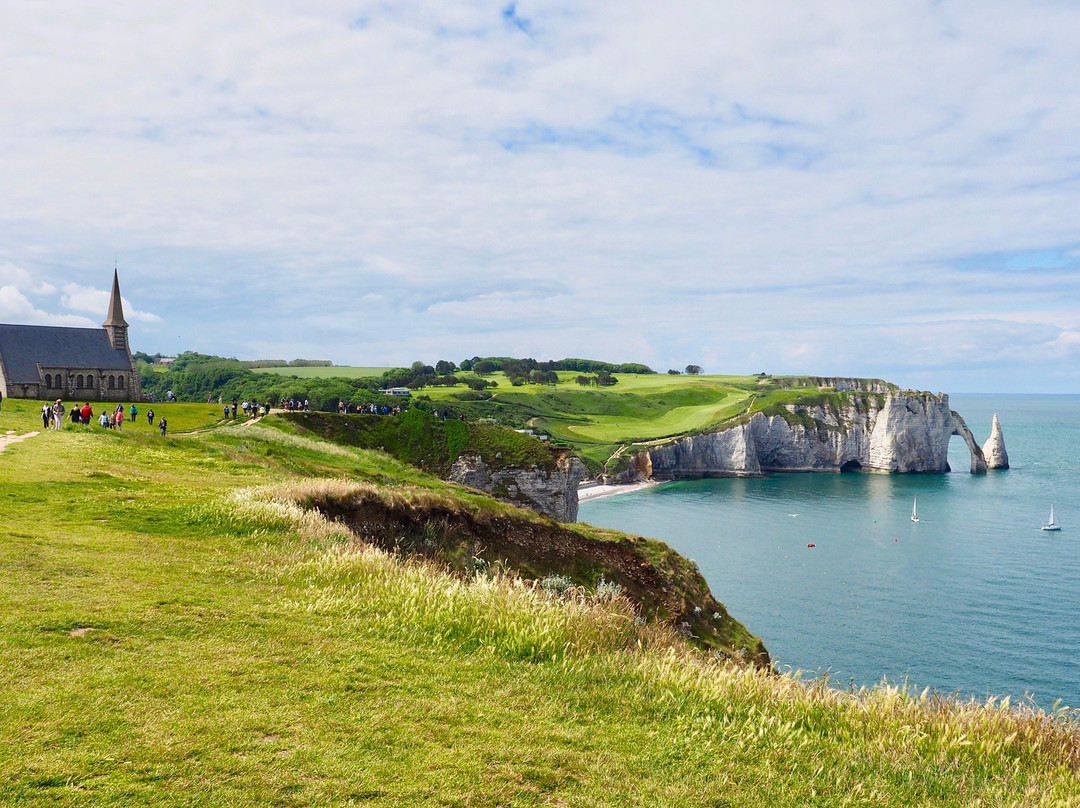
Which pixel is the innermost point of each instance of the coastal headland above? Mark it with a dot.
(266, 615)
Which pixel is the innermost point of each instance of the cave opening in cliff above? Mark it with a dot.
(851, 465)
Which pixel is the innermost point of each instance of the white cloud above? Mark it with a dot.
(87, 298)
(19, 278)
(15, 307)
(709, 182)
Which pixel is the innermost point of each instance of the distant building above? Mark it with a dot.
(90, 364)
(396, 391)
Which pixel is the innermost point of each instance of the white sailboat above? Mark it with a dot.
(915, 510)
(1051, 525)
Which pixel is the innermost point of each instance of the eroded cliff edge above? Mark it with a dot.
(661, 584)
(509, 466)
(843, 428)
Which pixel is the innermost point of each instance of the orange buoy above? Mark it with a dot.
(811, 545)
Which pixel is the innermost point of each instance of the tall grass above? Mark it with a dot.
(711, 705)
(501, 614)
(417, 599)
(165, 642)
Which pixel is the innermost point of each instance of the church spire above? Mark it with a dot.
(115, 325)
(116, 308)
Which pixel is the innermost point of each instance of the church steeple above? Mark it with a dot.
(115, 325)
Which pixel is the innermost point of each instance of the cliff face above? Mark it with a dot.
(885, 432)
(552, 492)
(515, 468)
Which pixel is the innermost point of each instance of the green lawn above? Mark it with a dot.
(174, 632)
(26, 415)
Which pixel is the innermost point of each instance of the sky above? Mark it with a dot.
(886, 189)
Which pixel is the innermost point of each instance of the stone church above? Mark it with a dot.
(89, 364)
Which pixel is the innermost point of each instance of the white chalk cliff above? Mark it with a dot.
(893, 431)
(994, 448)
(548, 491)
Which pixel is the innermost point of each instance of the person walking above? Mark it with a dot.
(58, 414)
(163, 426)
(46, 416)
(150, 416)
(119, 417)
(133, 412)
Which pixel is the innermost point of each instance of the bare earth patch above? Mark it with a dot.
(10, 438)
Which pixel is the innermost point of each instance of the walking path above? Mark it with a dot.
(10, 438)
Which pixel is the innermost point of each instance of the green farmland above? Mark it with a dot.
(334, 372)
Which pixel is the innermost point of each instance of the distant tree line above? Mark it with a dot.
(522, 367)
(601, 379)
(194, 376)
(691, 370)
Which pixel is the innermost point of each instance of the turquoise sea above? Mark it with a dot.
(975, 599)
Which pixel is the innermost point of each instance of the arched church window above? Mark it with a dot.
(90, 382)
(79, 381)
(112, 382)
(120, 382)
(48, 380)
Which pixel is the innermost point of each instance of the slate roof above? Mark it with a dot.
(23, 346)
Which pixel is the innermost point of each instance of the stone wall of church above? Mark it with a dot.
(89, 384)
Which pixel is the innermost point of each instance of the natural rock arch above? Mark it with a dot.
(978, 460)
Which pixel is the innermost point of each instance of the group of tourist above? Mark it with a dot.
(52, 416)
(367, 409)
(294, 405)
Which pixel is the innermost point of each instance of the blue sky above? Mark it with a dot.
(881, 189)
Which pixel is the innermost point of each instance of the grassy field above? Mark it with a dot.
(180, 417)
(335, 372)
(640, 408)
(595, 421)
(177, 628)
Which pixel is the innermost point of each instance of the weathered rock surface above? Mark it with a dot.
(551, 492)
(894, 431)
(994, 448)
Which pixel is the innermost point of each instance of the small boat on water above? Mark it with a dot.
(915, 510)
(1051, 525)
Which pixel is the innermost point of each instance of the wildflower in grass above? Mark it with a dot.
(606, 590)
(556, 584)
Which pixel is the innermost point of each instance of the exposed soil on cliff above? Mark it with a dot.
(662, 584)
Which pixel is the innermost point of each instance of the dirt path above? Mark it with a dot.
(10, 438)
(257, 418)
